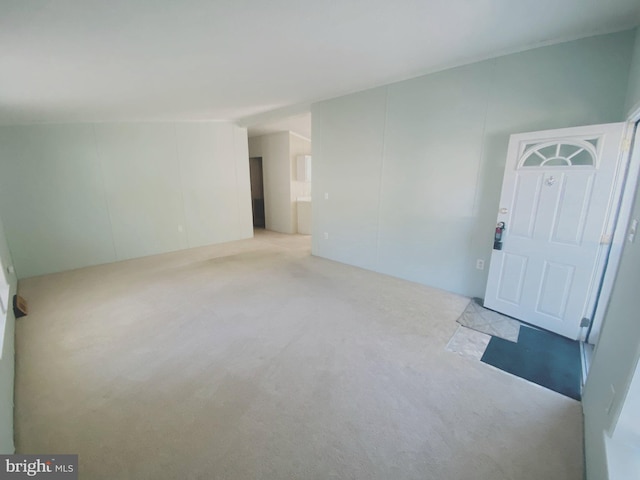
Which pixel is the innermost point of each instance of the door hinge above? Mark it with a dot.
(626, 145)
(585, 322)
(605, 239)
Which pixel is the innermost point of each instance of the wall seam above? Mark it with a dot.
(104, 190)
(182, 187)
(383, 155)
(483, 158)
(234, 134)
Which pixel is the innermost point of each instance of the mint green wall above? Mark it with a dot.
(347, 157)
(7, 358)
(52, 198)
(633, 93)
(413, 169)
(84, 194)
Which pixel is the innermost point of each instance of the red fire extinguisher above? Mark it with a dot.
(497, 239)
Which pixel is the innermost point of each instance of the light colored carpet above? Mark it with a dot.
(487, 321)
(254, 360)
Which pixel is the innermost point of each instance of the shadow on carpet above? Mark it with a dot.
(541, 357)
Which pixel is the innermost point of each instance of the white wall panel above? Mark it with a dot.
(52, 198)
(142, 182)
(206, 154)
(243, 184)
(85, 194)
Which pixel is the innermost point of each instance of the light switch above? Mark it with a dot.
(633, 230)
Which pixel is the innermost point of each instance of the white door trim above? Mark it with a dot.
(628, 182)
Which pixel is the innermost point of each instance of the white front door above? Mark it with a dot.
(557, 204)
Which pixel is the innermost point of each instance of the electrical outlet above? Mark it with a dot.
(480, 264)
(326, 195)
(326, 235)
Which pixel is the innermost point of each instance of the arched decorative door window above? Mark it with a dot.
(560, 154)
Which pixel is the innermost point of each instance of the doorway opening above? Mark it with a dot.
(257, 192)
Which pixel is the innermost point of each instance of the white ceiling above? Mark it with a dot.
(97, 60)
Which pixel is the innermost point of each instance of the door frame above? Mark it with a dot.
(625, 189)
